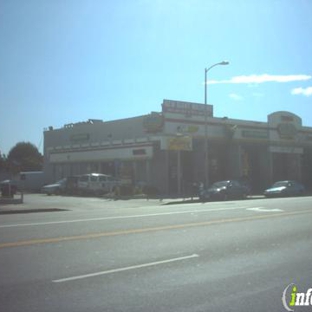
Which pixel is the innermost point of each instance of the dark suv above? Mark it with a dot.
(224, 190)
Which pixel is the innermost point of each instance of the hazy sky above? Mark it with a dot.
(64, 61)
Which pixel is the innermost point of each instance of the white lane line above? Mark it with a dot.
(123, 217)
(262, 209)
(133, 267)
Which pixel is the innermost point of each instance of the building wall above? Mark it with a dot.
(141, 147)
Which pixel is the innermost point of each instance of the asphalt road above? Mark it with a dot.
(222, 256)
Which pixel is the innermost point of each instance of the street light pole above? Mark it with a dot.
(206, 122)
(179, 172)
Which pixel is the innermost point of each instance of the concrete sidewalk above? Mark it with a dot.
(43, 203)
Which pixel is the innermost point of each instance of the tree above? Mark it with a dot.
(24, 156)
(2, 163)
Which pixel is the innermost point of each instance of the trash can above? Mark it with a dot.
(7, 189)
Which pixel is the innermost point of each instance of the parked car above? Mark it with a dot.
(96, 183)
(285, 188)
(71, 186)
(55, 188)
(224, 190)
(8, 188)
(32, 181)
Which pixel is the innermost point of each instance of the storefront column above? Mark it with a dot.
(134, 172)
(166, 180)
(179, 171)
(234, 166)
(148, 171)
(270, 168)
(240, 160)
(294, 161)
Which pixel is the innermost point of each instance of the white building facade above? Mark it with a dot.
(167, 149)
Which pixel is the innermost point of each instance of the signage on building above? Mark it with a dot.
(103, 154)
(139, 152)
(287, 124)
(287, 118)
(255, 134)
(187, 129)
(82, 137)
(287, 130)
(192, 129)
(187, 109)
(179, 144)
(153, 122)
(286, 149)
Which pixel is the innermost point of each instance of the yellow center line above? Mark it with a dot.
(146, 230)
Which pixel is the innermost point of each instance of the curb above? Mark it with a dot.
(11, 201)
(19, 211)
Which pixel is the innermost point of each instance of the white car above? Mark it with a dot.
(96, 183)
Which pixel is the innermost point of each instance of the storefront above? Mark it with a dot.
(167, 149)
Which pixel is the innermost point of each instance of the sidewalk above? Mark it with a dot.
(17, 205)
(17, 199)
(43, 203)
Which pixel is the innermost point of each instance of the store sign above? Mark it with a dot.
(188, 129)
(153, 123)
(82, 137)
(286, 149)
(287, 124)
(179, 144)
(255, 134)
(287, 118)
(287, 130)
(139, 152)
(187, 109)
(192, 129)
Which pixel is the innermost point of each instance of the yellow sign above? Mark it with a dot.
(180, 144)
(192, 129)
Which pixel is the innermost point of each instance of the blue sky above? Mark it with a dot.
(66, 61)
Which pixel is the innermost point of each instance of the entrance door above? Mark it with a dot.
(286, 166)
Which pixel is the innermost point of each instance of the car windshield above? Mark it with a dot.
(219, 184)
(280, 184)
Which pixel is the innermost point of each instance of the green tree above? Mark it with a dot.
(24, 156)
(2, 162)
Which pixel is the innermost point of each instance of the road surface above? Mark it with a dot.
(221, 256)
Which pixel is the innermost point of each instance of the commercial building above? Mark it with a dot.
(167, 149)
